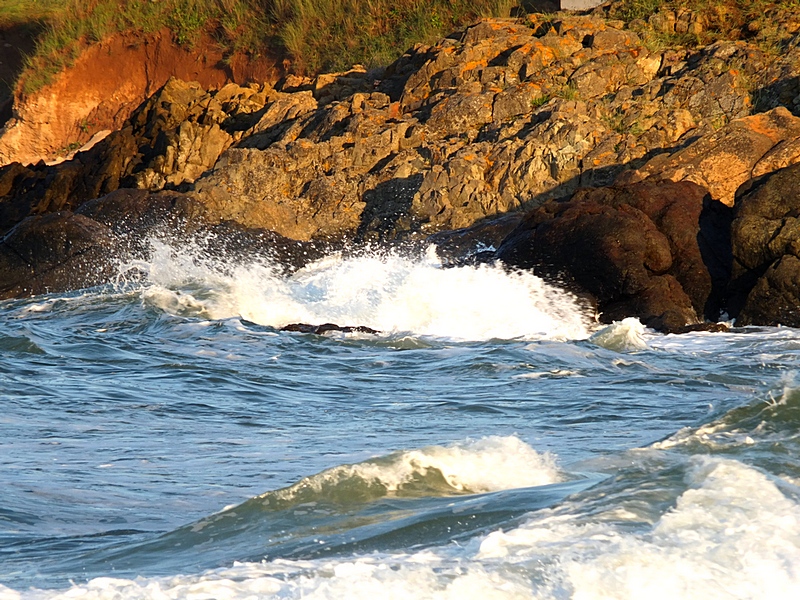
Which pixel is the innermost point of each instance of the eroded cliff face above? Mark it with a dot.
(630, 159)
(106, 83)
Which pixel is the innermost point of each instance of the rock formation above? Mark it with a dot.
(649, 249)
(106, 83)
(765, 239)
(569, 144)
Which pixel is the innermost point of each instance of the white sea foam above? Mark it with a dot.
(391, 293)
(627, 335)
(731, 535)
(770, 421)
(482, 465)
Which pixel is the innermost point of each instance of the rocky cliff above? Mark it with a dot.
(656, 180)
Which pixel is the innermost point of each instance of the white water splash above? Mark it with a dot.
(483, 465)
(731, 535)
(391, 293)
(621, 336)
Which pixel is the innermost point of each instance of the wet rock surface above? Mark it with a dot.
(327, 327)
(569, 145)
(765, 240)
(54, 252)
(649, 249)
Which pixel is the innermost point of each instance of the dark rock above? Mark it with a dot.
(775, 299)
(130, 211)
(241, 244)
(481, 239)
(321, 329)
(765, 240)
(55, 252)
(695, 327)
(640, 250)
(137, 215)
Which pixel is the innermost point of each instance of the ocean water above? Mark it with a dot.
(161, 438)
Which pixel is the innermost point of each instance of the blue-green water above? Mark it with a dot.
(161, 438)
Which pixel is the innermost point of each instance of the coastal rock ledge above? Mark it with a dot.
(661, 183)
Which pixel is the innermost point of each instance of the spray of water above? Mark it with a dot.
(386, 291)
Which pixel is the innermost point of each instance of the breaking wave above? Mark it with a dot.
(484, 465)
(773, 420)
(384, 291)
(730, 534)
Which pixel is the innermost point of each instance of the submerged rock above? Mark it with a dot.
(326, 327)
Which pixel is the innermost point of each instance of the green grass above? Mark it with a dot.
(316, 35)
(540, 100)
(332, 35)
(568, 91)
(628, 10)
(14, 12)
(71, 25)
(758, 21)
(728, 18)
(325, 35)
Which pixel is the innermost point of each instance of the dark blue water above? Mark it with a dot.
(162, 438)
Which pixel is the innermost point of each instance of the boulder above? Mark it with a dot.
(765, 240)
(136, 216)
(724, 160)
(652, 250)
(55, 252)
(775, 298)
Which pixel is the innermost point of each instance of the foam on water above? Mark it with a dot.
(774, 421)
(484, 465)
(731, 534)
(621, 336)
(388, 292)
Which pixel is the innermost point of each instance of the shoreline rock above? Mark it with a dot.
(566, 145)
(646, 249)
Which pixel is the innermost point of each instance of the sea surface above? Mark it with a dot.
(161, 438)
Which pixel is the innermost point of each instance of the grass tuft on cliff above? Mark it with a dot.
(706, 21)
(316, 35)
(335, 34)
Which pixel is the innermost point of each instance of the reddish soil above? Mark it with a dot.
(108, 81)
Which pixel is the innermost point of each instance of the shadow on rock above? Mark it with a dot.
(387, 208)
(765, 240)
(635, 248)
(65, 250)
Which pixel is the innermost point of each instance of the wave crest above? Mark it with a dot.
(383, 291)
(474, 466)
